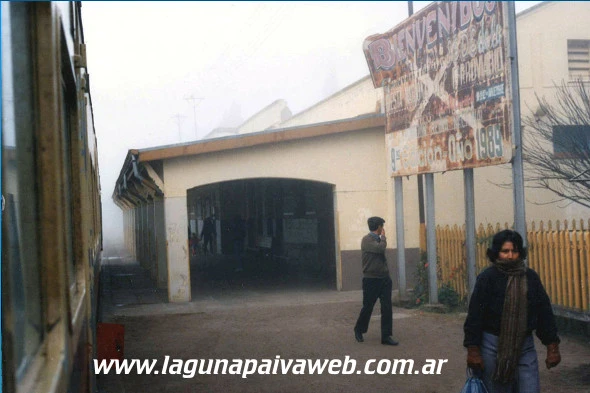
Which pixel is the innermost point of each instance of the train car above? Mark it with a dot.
(51, 216)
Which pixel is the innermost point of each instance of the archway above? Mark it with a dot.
(287, 240)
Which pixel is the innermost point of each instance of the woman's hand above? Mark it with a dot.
(474, 359)
(553, 355)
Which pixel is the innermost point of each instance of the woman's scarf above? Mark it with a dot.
(513, 326)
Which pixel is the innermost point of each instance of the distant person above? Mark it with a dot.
(238, 235)
(507, 304)
(376, 283)
(208, 233)
(194, 244)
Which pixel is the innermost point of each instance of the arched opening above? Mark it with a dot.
(262, 233)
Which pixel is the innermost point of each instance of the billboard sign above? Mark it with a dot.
(446, 78)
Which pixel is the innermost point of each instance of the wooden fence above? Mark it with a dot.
(559, 253)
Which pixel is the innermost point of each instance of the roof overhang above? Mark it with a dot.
(137, 184)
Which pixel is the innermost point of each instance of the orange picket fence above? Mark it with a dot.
(559, 253)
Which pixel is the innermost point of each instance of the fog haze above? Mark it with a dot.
(169, 72)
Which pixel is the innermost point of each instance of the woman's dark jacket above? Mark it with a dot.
(487, 302)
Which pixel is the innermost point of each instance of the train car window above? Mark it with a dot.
(71, 173)
(67, 114)
(22, 316)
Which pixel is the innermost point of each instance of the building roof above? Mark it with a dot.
(259, 138)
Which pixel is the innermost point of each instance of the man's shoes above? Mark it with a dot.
(359, 336)
(388, 341)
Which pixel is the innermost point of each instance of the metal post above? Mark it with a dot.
(431, 239)
(194, 101)
(517, 167)
(422, 240)
(421, 213)
(469, 227)
(399, 231)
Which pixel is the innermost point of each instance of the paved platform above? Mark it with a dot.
(124, 283)
(263, 322)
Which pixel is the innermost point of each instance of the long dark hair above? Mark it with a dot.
(502, 237)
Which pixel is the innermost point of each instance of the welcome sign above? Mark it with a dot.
(446, 78)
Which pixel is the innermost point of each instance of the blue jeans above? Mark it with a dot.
(526, 377)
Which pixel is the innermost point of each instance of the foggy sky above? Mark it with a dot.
(146, 59)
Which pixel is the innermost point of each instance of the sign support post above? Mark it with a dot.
(431, 239)
(469, 228)
(399, 231)
(517, 167)
(452, 103)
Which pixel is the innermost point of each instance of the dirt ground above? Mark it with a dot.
(306, 324)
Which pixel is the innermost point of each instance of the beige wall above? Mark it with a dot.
(542, 43)
(353, 162)
(266, 118)
(357, 99)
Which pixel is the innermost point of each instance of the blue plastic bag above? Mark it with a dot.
(474, 384)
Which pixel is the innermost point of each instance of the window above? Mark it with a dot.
(20, 259)
(68, 118)
(572, 141)
(578, 59)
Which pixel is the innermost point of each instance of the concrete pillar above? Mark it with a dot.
(130, 231)
(160, 243)
(136, 233)
(127, 214)
(176, 219)
(134, 228)
(149, 219)
(125, 235)
(144, 243)
(153, 256)
(140, 239)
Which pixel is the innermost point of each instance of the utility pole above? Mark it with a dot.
(194, 100)
(178, 118)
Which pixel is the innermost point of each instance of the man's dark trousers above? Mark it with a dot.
(373, 289)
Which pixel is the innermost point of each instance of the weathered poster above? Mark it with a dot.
(446, 78)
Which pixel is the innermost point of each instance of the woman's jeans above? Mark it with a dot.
(526, 377)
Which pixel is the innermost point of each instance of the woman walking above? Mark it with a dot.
(508, 303)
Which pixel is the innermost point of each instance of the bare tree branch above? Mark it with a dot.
(557, 144)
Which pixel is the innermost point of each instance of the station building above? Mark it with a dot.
(305, 184)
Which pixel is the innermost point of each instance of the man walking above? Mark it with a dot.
(376, 283)
(208, 233)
